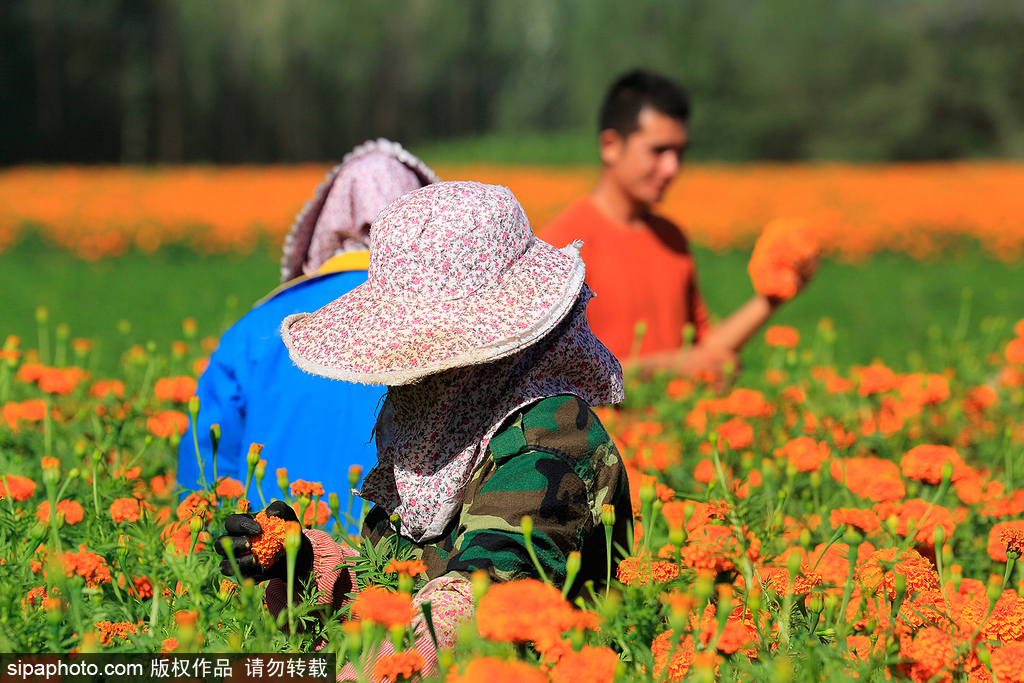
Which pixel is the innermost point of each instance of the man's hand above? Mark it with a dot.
(240, 527)
(707, 363)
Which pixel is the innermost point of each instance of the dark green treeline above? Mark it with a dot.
(295, 80)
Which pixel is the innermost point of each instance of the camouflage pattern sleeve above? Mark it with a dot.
(556, 463)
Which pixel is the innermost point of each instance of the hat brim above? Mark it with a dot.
(371, 338)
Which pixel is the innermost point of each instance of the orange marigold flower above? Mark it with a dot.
(1005, 536)
(403, 665)
(872, 478)
(88, 565)
(712, 547)
(924, 388)
(875, 379)
(779, 581)
(305, 488)
(128, 509)
(109, 631)
(876, 574)
(409, 567)
(193, 502)
(169, 645)
(268, 546)
(73, 512)
(382, 606)
(106, 387)
(806, 454)
(30, 372)
(494, 670)
(782, 335)
(167, 422)
(1007, 662)
(978, 399)
(681, 660)
(315, 514)
(865, 520)
(35, 596)
(1006, 623)
(640, 571)
(925, 518)
(784, 256)
(1015, 351)
(525, 611)
(143, 587)
(179, 538)
(745, 403)
(50, 463)
(931, 655)
(590, 665)
(60, 380)
(674, 512)
(737, 433)
(175, 389)
(925, 463)
(18, 488)
(230, 488)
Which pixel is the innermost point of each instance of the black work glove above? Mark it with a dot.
(240, 527)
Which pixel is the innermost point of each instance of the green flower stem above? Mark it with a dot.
(608, 555)
(527, 526)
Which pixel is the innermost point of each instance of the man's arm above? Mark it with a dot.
(719, 347)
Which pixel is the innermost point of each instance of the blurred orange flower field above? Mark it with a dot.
(854, 210)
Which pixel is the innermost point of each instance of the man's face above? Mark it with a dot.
(644, 163)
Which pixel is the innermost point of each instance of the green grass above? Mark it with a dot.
(881, 308)
(555, 148)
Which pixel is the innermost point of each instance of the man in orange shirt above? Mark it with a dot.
(638, 263)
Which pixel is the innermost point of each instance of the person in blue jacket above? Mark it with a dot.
(315, 427)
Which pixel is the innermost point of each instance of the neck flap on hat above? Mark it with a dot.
(432, 435)
(362, 188)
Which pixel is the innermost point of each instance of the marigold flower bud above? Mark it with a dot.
(334, 503)
(193, 407)
(282, 480)
(573, 563)
(215, 434)
(793, 563)
(481, 581)
(354, 473)
(42, 315)
(253, 458)
(526, 524)
(608, 515)
(292, 537)
(648, 489)
(242, 506)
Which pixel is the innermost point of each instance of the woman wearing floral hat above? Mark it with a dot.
(479, 331)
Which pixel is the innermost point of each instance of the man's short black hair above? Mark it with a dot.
(636, 90)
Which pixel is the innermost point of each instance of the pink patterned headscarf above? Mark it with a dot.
(433, 434)
(362, 188)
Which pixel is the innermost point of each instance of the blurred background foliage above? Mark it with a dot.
(231, 81)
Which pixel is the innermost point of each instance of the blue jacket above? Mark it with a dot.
(314, 426)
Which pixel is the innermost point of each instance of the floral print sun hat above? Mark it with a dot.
(456, 278)
(368, 178)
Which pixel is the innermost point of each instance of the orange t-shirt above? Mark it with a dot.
(646, 274)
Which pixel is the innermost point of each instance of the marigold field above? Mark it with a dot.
(855, 210)
(810, 523)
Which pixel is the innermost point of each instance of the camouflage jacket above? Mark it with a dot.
(552, 460)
